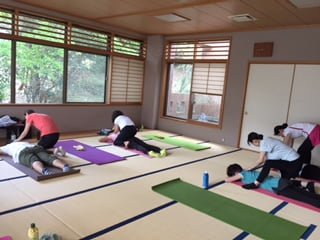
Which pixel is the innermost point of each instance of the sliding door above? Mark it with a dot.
(267, 99)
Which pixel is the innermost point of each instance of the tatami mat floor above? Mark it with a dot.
(115, 201)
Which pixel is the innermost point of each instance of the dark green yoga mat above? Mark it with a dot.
(249, 219)
(177, 142)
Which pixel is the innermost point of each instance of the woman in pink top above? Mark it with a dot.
(310, 131)
(49, 133)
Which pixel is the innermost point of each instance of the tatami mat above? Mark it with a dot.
(7, 171)
(192, 225)
(91, 141)
(102, 197)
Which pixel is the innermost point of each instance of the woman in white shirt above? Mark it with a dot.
(274, 154)
(310, 131)
(124, 126)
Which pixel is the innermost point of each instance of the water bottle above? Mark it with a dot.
(33, 232)
(205, 180)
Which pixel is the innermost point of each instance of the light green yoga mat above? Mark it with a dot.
(177, 142)
(249, 219)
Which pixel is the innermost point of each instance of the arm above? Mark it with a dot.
(26, 129)
(116, 128)
(288, 140)
(262, 158)
(106, 139)
(234, 178)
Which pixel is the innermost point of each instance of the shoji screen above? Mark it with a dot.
(267, 99)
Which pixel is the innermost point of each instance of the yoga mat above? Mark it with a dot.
(283, 198)
(247, 218)
(6, 238)
(90, 154)
(177, 142)
(39, 177)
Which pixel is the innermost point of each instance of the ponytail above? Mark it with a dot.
(279, 127)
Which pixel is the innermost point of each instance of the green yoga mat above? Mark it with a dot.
(249, 219)
(177, 142)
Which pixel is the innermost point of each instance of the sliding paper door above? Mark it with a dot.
(267, 99)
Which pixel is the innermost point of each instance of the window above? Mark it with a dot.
(89, 38)
(5, 22)
(126, 80)
(86, 77)
(179, 90)
(196, 80)
(39, 74)
(41, 28)
(54, 61)
(5, 71)
(129, 47)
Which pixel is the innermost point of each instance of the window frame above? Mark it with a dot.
(68, 45)
(166, 79)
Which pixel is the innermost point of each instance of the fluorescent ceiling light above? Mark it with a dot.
(305, 3)
(172, 17)
(242, 18)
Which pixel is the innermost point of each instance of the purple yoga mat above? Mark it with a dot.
(90, 154)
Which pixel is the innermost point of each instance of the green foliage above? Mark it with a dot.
(39, 73)
(86, 77)
(182, 78)
(127, 46)
(5, 70)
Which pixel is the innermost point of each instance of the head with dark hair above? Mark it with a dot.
(29, 111)
(278, 130)
(116, 114)
(254, 138)
(233, 169)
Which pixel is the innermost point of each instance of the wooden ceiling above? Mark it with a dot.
(205, 16)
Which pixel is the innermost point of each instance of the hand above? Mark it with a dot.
(250, 186)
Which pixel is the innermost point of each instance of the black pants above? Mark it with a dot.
(48, 141)
(136, 143)
(125, 134)
(305, 151)
(311, 172)
(292, 190)
(287, 169)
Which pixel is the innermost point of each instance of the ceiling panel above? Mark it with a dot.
(275, 11)
(307, 15)
(205, 15)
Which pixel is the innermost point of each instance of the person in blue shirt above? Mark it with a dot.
(298, 190)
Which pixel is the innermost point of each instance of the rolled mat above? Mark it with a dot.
(177, 142)
(89, 153)
(247, 218)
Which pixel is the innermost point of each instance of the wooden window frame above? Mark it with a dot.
(67, 45)
(169, 60)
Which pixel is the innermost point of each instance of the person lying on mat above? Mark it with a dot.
(137, 144)
(309, 131)
(33, 156)
(49, 133)
(274, 154)
(298, 190)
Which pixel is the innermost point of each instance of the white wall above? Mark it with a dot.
(290, 45)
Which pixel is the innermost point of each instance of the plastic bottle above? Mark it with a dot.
(205, 180)
(33, 232)
(13, 137)
(141, 128)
